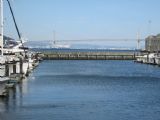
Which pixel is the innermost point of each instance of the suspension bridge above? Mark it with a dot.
(138, 40)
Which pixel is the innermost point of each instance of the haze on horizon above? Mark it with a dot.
(82, 19)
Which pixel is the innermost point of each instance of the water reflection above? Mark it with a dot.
(4, 104)
(9, 103)
(14, 98)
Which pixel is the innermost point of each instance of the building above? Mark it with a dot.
(152, 43)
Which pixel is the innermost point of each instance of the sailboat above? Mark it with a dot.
(19, 48)
(3, 79)
(58, 46)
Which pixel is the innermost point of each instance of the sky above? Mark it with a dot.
(83, 19)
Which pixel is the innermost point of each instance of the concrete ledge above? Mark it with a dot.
(89, 56)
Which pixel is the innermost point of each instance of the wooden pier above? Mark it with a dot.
(89, 56)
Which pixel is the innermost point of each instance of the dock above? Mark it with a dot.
(88, 55)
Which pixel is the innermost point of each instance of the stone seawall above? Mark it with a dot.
(89, 56)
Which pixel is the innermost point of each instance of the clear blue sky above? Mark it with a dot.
(80, 19)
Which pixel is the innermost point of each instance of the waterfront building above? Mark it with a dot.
(152, 43)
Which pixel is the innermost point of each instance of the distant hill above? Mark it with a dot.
(7, 38)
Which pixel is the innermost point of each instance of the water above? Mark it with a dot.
(86, 90)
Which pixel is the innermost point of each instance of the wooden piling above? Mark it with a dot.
(6, 69)
(14, 68)
(21, 66)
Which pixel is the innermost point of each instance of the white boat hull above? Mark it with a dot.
(30, 64)
(142, 59)
(157, 60)
(139, 59)
(25, 67)
(151, 58)
(18, 67)
(2, 70)
(145, 59)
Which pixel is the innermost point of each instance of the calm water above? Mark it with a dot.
(86, 90)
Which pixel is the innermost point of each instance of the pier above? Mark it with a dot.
(88, 55)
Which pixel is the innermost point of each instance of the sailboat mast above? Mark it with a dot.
(19, 35)
(14, 20)
(1, 26)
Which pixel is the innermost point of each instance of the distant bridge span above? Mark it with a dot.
(96, 40)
